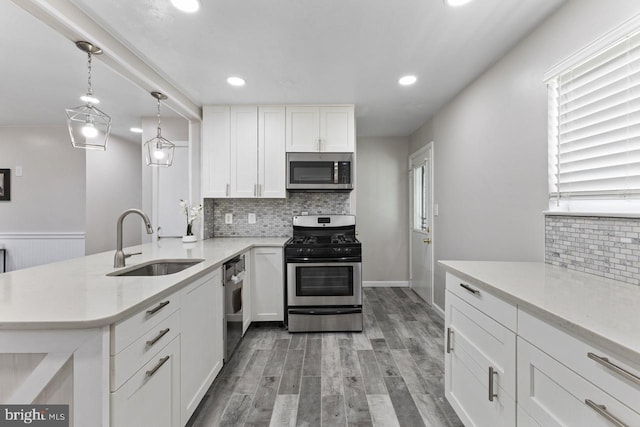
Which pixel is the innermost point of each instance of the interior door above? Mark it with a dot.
(421, 259)
(171, 185)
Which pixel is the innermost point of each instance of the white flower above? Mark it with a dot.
(192, 213)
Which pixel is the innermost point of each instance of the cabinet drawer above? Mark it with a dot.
(554, 395)
(494, 307)
(481, 343)
(142, 350)
(575, 354)
(151, 397)
(128, 330)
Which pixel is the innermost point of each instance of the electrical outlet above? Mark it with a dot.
(228, 218)
(18, 170)
(251, 218)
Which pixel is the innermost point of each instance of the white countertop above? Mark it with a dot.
(602, 310)
(77, 293)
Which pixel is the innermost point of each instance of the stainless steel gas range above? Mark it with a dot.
(324, 274)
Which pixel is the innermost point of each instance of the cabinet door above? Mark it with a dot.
(202, 345)
(271, 152)
(216, 171)
(244, 151)
(303, 128)
(152, 396)
(268, 285)
(554, 395)
(476, 346)
(337, 129)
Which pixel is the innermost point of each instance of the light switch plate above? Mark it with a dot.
(251, 218)
(18, 170)
(435, 209)
(228, 218)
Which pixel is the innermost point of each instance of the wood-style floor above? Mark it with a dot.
(390, 375)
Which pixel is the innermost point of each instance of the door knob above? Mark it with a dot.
(427, 240)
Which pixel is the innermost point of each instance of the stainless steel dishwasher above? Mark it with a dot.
(233, 282)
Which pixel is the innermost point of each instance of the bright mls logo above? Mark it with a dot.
(34, 415)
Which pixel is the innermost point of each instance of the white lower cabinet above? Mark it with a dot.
(151, 397)
(165, 357)
(553, 395)
(267, 284)
(202, 323)
(562, 379)
(480, 366)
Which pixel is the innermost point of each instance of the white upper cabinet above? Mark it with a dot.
(272, 166)
(216, 165)
(243, 152)
(320, 128)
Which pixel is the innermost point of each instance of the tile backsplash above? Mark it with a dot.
(608, 247)
(273, 216)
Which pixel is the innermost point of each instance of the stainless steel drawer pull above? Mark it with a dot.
(158, 366)
(615, 368)
(449, 335)
(492, 394)
(157, 338)
(470, 289)
(157, 308)
(602, 410)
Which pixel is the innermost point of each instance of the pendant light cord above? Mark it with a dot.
(89, 90)
(159, 118)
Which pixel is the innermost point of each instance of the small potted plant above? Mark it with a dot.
(192, 213)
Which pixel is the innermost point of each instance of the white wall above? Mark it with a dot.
(50, 196)
(491, 143)
(114, 184)
(383, 213)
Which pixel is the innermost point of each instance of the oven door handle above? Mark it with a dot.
(324, 260)
(324, 311)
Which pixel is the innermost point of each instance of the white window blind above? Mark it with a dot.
(594, 125)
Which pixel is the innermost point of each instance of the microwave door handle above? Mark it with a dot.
(336, 170)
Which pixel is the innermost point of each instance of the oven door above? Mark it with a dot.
(324, 283)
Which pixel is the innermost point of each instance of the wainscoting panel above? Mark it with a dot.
(30, 249)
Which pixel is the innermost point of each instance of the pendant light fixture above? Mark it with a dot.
(158, 150)
(89, 127)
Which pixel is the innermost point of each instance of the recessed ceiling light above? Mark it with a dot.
(188, 6)
(136, 130)
(456, 3)
(236, 81)
(407, 80)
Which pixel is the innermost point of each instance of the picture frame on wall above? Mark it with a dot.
(5, 184)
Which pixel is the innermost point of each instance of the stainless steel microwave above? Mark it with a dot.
(319, 171)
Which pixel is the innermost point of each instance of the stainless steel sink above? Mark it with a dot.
(159, 267)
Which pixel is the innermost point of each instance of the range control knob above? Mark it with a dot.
(309, 250)
(337, 250)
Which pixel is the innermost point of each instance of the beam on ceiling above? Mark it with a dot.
(71, 22)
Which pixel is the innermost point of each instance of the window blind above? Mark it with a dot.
(594, 125)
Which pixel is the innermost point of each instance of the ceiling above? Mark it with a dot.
(289, 51)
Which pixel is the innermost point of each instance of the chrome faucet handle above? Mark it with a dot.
(131, 254)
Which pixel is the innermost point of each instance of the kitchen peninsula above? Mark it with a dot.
(533, 344)
(70, 334)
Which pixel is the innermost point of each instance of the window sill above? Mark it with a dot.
(593, 214)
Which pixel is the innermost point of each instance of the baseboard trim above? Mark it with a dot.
(385, 284)
(438, 310)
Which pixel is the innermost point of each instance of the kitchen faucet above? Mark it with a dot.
(118, 259)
